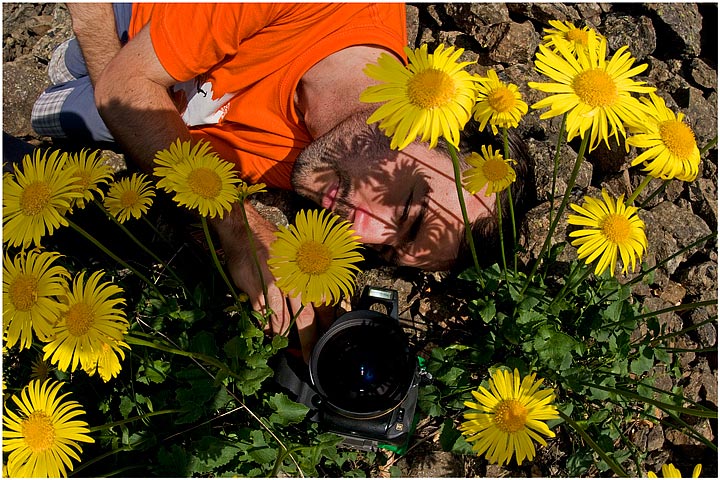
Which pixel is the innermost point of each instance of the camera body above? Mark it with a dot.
(362, 379)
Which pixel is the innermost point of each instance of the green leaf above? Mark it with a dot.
(212, 453)
(644, 362)
(484, 308)
(126, 406)
(153, 371)
(555, 348)
(286, 411)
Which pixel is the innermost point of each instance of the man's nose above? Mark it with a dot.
(376, 227)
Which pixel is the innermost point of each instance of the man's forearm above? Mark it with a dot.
(95, 30)
(133, 100)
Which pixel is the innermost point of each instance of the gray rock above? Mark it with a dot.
(543, 154)
(635, 32)
(469, 16)
(703, 74)
(544, 12)
(517, 44)
(703, 197)
(669, 228)
(412, 21)
(702, 115)
(682, 22)
(23, 80)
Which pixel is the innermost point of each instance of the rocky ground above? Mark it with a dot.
(679, 43)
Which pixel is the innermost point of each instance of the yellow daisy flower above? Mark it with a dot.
(246, 189)
(36, 198)
(315, 257)
(670, 471)
(594, 92)
(129, 197)
(488, 170)
(40, 369)
(498, 103)
(199, 178)
(432, 97)
(568, 34)
(89, 171)
(91, 320)
(108, 364)
(43, 434)
(671, 148)
(613, 227)
(31, 283)
(508, 417)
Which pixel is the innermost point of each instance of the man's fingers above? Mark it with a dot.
(306, 327)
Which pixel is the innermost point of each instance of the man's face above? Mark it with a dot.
(403, 204)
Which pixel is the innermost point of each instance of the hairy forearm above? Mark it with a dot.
(141, 116)
(94, 28)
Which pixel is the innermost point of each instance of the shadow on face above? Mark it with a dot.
(403, 204)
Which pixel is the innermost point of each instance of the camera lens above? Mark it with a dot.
(365, 367)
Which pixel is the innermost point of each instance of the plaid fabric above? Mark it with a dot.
(45, 116)
(57, 68)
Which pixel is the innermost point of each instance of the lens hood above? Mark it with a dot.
(362, 366)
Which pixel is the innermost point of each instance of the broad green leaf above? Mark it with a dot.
(286, 411)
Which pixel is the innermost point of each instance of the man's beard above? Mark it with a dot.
(309, 167)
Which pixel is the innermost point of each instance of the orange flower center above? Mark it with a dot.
(129, 198)
(510, 416)
(495, 169)
(34, 198)
(38, 432)
(430, 88)
(678, 138)
(313, 257)
(577, 35)
(205, 182)
(501, 99)
(616, 228)
(24, 292)
(79, 318)
(596, 88)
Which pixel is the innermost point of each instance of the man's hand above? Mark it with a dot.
(244, 271)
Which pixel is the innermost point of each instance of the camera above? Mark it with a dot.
(362, 379)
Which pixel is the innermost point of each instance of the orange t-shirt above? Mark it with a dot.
(239, 65)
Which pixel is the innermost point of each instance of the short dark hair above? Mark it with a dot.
(485, 229)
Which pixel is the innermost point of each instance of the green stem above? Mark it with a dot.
(709, 145)
(458, 186)
(132, 419)
(220, 269)
(575, 282)
(500, 234)
(506, 147)
(87, 463)
(561, 209)
(556, 161)
(176, 351)
(155, 230)
(649, 339)
(642, 273)
(678, 308)
(294, 319)
(611, 463)
(110, 254)
(701, 413)
(640, 188)
(654, 194)
(142, 245)
(256, 260)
